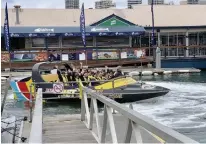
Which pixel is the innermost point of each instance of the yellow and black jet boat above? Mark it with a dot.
(121, 89)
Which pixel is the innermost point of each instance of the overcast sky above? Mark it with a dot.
(60, 3)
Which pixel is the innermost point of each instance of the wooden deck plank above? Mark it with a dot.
(66, 131)
(69, 129)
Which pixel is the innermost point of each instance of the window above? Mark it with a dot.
(181, 39)
(38, 42)
(202, 38)
(113, 41)
(76, 41)
(172, 39)
(164, 43)
(173, 42)
(192, 38)
(53, 42)
(164, 39)
(145, 40)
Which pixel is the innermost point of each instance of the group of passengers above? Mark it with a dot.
(89, 77)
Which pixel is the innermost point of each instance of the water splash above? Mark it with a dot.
(183, 107)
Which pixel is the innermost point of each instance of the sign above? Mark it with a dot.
(123, 55)
(135, 33)
(65, 57)
(105, 55)
(14, 35)
(82, 56)
(44, 30)
(93, 32)
(68, 34)
(99, 29)
(140, 53)
(37, 56)
(114, 22)
(5, 57)
(58, 88)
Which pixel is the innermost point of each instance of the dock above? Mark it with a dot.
(64, 130)
(161, 71)
(133, 71)
(114, 123)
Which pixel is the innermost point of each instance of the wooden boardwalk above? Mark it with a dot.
(69, 130)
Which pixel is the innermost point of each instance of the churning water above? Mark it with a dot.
(183, 108)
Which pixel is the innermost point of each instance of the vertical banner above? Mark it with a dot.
(82, 26)
(6, 30)
(153, 42)
(82, 29)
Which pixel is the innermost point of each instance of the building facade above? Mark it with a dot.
(104, 4)
(192, 1)
(133, 2)
(72, 4)
(110, 32)
(156, 2)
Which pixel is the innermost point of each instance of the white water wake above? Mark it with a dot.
(183, 107)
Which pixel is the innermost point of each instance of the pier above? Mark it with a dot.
(133, 71)
(114, 123)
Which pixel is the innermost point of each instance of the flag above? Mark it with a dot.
(6, 30)
(152, 10)
(82, 26)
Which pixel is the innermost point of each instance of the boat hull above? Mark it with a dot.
(121, 96)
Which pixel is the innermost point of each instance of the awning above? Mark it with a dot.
(74, 31)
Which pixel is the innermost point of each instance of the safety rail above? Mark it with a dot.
(136, 121)
(36, 127)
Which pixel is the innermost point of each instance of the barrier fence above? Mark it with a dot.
(90, 115)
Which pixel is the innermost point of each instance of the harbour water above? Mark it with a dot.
(183, 108)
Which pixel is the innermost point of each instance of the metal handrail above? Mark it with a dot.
(36, 127)
(135, 119)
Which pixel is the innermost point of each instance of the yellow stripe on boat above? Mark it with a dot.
(50, 77)
(28, 84)
(117, 83)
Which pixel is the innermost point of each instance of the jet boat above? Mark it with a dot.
(121, 89)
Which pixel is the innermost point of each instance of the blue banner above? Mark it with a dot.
(6, 30)
(135, 33)
(82, 26)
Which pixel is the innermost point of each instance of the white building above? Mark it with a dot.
(156, 2)
(130, 3)
(72, 4)
(104, 4)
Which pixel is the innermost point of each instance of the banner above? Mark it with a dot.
(6, 30)
(5, 57)
(105, 55)
(26, 57)
(82, 26)
(140, 53)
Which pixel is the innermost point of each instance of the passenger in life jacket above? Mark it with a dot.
(118, 73)
(91, 78)
(86, 79)
(59, 74)
(64, 76)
